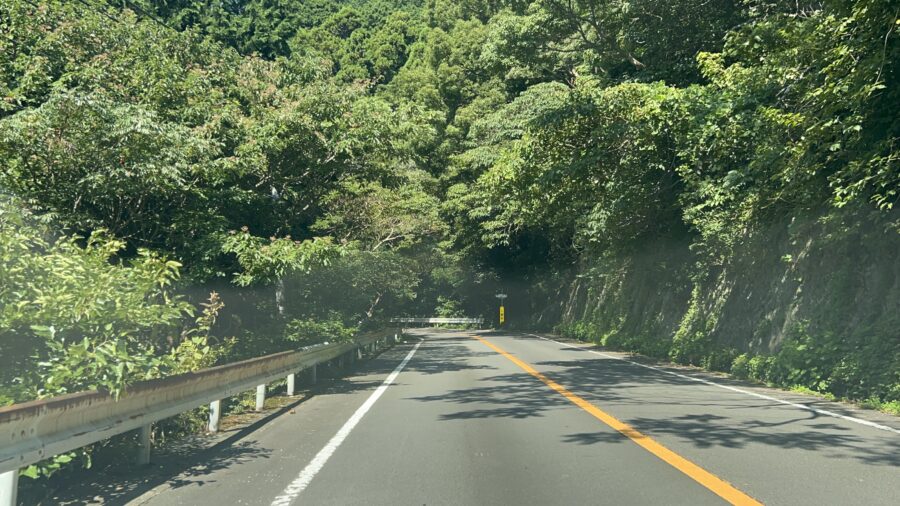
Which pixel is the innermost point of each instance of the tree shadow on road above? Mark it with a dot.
(447, 354)
(716, 419)
(516, 395)
(824, 438)
(187, 463)
(434, 356)
(707, 431)
(719, 418)
(520, 395)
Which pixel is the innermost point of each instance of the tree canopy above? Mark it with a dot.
(320, 165)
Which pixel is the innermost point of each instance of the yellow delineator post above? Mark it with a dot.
(502, 297)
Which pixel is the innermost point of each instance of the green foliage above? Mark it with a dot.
(318, 329)
(361, 45)
(362, 283)
(263, 262)
(692, 341)
(448, 308)
(326, 164)
(260, 27)
(720, 360)
(168, 140)
(639, 39)
(891, 407)
(379, 217)
(860, 367)
(615, 188)
(90, 320)
(581, 330)
(102, 164)
(51, 466)
(75, 317)
(91, 323)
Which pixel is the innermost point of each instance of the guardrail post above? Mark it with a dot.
(215, 411)
(9, 486)
(143, 456)
(260, 396)
(312, 375)
(290, 384)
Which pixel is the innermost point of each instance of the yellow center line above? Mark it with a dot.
(712, 482)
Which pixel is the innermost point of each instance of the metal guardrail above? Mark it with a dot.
(36, 430)
(478, 321)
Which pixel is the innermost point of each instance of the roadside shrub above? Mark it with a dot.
(582, 330)
(740, 367)
(720, 360)
(758, 367)
(308, 331)
(651, 346)
(76, 316)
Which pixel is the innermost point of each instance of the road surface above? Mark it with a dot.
(496, 418)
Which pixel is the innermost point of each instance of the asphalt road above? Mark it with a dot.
(510, 419)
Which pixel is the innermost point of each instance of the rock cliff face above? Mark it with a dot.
(812, 301)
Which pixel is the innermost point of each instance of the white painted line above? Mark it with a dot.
(309, 472)
(733, 389)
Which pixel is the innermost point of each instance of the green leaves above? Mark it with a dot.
(392, 156)
(267, 262)
(330, 328)
(598, 163)
(641, 40)
(73, 317)
(383, 218)
(51, 466)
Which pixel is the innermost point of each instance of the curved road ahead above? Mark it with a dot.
(493, 418)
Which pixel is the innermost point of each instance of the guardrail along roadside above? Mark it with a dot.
(36, 430)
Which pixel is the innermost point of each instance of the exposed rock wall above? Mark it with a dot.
(812, 300)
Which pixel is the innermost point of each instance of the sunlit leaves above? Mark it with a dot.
(382, 218)
(264, 261)
(85, 319)
(100, 163)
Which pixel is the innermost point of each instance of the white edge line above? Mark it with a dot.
(733, 389)
(309, 472)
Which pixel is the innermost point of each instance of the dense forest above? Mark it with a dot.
(191, 182)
